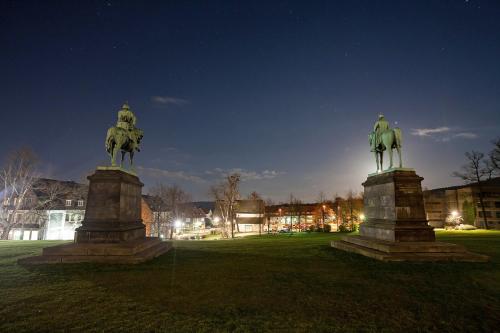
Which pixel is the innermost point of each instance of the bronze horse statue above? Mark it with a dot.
(126, 141)
(389, 140)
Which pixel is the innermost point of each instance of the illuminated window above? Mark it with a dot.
(80, 203)
(68, 202)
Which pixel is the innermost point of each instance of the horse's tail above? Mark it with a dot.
(398, 136)
(110, 139)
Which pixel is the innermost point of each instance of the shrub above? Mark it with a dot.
(327, 228)
(344, 228)
(466, 227)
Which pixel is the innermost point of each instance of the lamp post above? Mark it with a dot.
(323, 215)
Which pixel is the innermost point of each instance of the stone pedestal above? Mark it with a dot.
(112, 230)
(113, 212)
(394, 208)
(396, 228)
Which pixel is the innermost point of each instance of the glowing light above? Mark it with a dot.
(216, 219)
(454, 213)
(178, 223)
(362, 217)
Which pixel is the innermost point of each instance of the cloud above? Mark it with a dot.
(162, 173)
(169, 100)
(246, 175)
(429, 131)
(443, 134)
(465, 135)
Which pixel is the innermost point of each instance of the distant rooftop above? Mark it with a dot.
(490, 182)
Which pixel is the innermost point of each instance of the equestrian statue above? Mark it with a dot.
(385, 138)
(124, 137)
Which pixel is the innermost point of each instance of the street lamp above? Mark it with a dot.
(323, 213)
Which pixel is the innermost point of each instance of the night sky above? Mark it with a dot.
(284, 92)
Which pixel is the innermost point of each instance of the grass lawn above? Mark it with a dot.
(269, 283)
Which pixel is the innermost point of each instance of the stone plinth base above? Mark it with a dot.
(396, 227)
(413, 231)
(131, 252)
(394, 208)
(406, 251)
(113, 211)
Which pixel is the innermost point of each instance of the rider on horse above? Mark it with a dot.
(125, 137)
(385, 138)
(381, 125)
(126, 119)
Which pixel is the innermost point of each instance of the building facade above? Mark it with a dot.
(51, 210)
(54, 209)
(249, 215)
(462, 202)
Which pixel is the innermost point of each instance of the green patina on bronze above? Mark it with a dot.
(385, 138)
(124, 137)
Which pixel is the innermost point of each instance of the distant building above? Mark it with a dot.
(193, 217)
(53, 210)
(302, 216)
(311, 216)
(249, 215)
(286, 216)
(463, 201)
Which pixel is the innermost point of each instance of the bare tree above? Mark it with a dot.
(474, 172)
(17, 177)
(495, 155)
(490, 169)
(321, 197)
(50, 193)
(172, 205)
(349, 209)
(350, 206)
(161, 220)
(225, 195)
(177, 202)
(322, 207)
(254, 196)
(294, 209)
(268, 203)
(262, 208)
